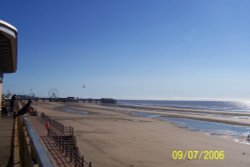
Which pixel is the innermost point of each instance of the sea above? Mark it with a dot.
(238, 133)
(233, 106)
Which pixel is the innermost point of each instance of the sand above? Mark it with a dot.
(112, 137)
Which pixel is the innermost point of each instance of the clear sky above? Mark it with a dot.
(131, 49)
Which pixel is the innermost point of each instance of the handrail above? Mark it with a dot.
(28, 144)
(65, 141)
(39, 151)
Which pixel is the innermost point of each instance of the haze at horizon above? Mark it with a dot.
(181, 49)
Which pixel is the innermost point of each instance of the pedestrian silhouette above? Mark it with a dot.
(12, 102)
(24, 110)
(4, 109)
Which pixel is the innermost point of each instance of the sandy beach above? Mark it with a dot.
(113, 137)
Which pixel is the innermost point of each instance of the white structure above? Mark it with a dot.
(8, 51)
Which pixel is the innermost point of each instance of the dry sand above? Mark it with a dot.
(112, 137)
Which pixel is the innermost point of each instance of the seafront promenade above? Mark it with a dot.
(25, 141)
(6, 127)
(44, 141)
(59, 141)
(54, 152)
(20, 144)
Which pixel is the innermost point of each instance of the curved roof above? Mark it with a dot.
(8, 47)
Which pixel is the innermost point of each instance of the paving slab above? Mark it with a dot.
(6, 127)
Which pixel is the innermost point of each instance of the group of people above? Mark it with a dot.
(4, 106)
(22, 111)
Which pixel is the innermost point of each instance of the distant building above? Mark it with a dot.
(8, 52)
(70, 98)
(108, 101)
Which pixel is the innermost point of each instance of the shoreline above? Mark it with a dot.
(183, 113)
(204, 115)
(177, 109)
(110, 136)
(236, 138)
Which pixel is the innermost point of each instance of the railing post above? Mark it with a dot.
(66, 149)
(66, 141)
(60, 143)
(56, 139)
(70, 155)
(63, 142)
(75, 159)
(82, 161)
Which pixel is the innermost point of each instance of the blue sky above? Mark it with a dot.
(132, 49)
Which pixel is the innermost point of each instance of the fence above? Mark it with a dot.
(31, 149)
(27, 149)
(57, 126)
(65, 140)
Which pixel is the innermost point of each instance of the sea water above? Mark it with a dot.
(212, 128)
(230, 106)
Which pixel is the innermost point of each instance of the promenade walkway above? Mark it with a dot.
(56, 154)
(6, 127)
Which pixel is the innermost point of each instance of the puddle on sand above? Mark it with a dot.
(74, 111)
(147, 115)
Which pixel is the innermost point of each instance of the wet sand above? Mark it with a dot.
(112, 137)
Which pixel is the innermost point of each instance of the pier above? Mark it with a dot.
(77, 100)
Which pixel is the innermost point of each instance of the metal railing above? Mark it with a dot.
(27, 150)
(32, 150)
(65, 140)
